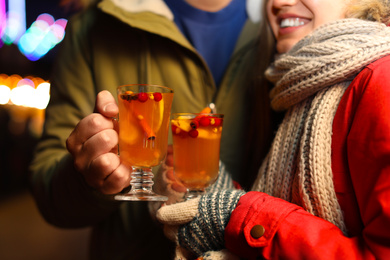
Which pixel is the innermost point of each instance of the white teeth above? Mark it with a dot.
(291, 22)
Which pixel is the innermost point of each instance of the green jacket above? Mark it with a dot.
(107, 46)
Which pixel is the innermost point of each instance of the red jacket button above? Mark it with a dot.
(257, 231)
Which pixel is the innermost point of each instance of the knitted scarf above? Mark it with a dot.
(309, 82)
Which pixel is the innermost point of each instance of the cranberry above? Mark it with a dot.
(174, 129)
(193, 133)
(204, 121)
(157, 96)
(218, 121)
(142, 97)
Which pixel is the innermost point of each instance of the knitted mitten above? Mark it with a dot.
(166, 184)
(203, 220)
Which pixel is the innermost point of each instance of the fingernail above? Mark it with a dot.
(170, 175)
(178, 187)
(110, 108)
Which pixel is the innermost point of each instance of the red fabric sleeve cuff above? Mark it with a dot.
(254, 211)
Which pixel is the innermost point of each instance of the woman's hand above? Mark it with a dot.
(198, 225)
(93, 145)
(165, 183)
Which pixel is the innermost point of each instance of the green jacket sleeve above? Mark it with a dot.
(60, 191)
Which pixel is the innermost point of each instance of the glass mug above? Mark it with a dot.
(144, 112)
(196, 148)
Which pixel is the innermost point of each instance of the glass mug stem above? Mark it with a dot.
(141, 180)
(141, 186)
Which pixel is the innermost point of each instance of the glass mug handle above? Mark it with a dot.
(115, 121)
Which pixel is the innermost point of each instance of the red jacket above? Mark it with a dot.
(361, 170)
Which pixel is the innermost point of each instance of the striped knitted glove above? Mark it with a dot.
(166, 184)
(198, 225)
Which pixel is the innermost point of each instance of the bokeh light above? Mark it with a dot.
(5, 94)
(15, 21)
(32, 92)
(21, 95)
(2, 20)
(42, 95)
(35, 42)
(42, 36)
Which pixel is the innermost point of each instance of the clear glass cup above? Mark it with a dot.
(144, 112)
(196, 148)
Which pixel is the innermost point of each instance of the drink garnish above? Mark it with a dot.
(217, 122)
(142, 97)
(193, 133)
(175, 129)
(206, 110)
(194, 124)
(181, 125)
(145, 126)
(192, 128)
(129, 96)
(157, 96)
(204, 121)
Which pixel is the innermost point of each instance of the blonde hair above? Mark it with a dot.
(371, 10)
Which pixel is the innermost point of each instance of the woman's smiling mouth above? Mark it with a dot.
(291, 22)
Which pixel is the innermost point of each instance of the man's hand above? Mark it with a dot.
(93, 145)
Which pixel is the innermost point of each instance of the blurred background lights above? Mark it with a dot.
(2, 19)
(15, 23)
(42, 36)
(21, 95)
(42, 96)
(12, 28)
(31, 92)
(5, 94)
(35, 42)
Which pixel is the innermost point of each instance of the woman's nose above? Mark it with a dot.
(282, 3)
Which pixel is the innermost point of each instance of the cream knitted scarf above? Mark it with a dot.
(309, 82)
